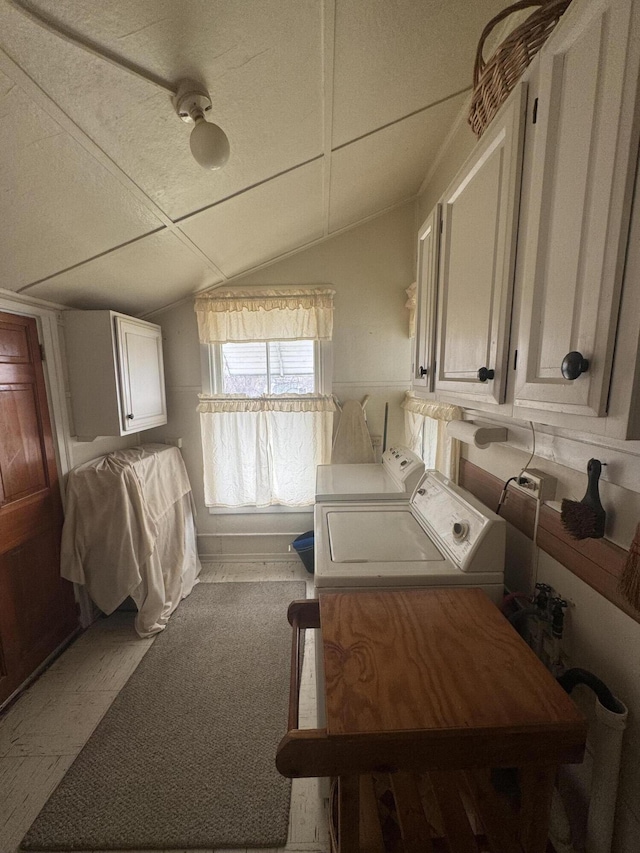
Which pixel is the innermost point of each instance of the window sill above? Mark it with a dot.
(258, 510)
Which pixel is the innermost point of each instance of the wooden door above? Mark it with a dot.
(37, 607)
(141, 374)
(425, 344)
(477, 261)
(584, 157)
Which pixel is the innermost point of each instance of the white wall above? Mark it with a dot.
(598, 636)
(369, 267)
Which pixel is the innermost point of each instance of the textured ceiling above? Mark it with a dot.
(335, 110)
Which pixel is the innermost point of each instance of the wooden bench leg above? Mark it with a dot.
(349, 814)
(536, 791)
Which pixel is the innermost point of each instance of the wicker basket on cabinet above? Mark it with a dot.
(494, 79)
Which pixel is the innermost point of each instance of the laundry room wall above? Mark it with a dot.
(369, 267)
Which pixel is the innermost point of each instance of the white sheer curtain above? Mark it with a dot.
(263, 451)
(426, 433)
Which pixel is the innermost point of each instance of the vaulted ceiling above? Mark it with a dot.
(335, 110)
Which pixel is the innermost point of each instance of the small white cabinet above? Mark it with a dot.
(116, 373)
(477, 261)
(584, 158)
(425, 343)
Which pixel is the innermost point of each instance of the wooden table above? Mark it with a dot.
(436, 682)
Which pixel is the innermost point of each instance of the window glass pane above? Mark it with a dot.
(244, 369)
(291, 367)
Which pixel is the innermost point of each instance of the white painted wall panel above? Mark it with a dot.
(133, 279)
(276, 217)
(394, 58)
(386, 167)
(260, 60)
(57, 204)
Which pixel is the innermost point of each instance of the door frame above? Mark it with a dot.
(48, 319)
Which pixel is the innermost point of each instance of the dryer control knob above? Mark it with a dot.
(405, 462)
(460, 530)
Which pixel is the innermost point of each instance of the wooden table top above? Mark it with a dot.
(442, 660)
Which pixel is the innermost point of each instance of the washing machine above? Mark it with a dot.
(395, 478)
(442, 537)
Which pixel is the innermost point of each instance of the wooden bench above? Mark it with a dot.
(432, 693)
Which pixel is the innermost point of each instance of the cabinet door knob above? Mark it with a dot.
(130, 417)
(573, 364)
(423, 371)
(485, 373)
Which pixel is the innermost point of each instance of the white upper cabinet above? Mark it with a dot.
(425, 343)
(584, 157)
(141, 374)
(116, 373)
(477, 262)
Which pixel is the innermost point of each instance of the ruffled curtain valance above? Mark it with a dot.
(431, 409)
(265, 315)
(213, 405)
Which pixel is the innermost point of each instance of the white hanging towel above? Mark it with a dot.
(352, 442)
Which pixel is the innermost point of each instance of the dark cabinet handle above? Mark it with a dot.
(573, 365)
(485, 373)
(130, 417)
(423, 371)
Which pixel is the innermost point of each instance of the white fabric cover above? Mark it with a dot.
(265, 315)
(279, 448)
(129, 531)
(352, 442)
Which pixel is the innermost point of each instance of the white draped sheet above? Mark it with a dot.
(129, 531)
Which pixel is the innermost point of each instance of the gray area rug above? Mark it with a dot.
(185, 756)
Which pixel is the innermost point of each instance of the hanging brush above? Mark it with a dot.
(585, 519)
(629, 584)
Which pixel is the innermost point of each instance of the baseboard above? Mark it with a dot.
(250, 547)
(248, 558)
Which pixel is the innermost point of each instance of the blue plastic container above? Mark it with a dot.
(303, 545)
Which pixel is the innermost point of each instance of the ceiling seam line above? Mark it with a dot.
(92, 258)
(317, 242)
(328, 59)
(69, 126)
(69, 35)
(180, 219)
(402, 118)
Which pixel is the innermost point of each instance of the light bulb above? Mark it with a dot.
(209, 144)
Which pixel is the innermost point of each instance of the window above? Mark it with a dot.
(273, 367)
(266, 414)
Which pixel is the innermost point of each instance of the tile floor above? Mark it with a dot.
(43, 731)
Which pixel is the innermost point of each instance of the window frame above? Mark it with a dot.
(211, 364)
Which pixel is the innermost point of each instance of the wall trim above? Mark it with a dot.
(597, 562)
(48, 318)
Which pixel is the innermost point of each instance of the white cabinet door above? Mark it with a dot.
(141, 374)
(584, 155)
(425, 343)
(477, 261)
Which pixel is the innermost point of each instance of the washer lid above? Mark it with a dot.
(350, 481)
(378, 537)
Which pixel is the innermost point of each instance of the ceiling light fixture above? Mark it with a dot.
(209, 143)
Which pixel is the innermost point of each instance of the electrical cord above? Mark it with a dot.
(503, 493)
(518, 478)
(86, 43)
